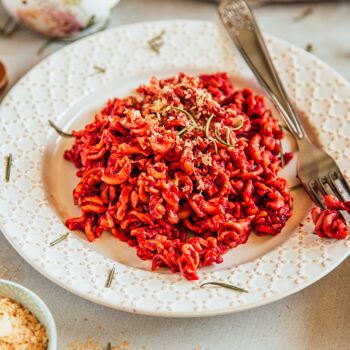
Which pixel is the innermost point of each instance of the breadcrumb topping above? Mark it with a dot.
(22, 331)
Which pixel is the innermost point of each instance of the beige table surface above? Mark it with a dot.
(315, 318)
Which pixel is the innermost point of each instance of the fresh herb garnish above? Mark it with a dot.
(182, 131)
(239, 125)
(99, 69)
(281, 154)
(59, 131)
(296, 187)
(45, 45)
(217, 137)
(225, 285)
(90, 22)
(188, 115)
(306, 13)
(207, 133)
(109, 346)
(59, 240)
(284, 127)
(309, 48)
(157, 42)
(110, 277)
(8, 167)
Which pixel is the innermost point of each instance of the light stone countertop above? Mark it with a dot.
(315, 318)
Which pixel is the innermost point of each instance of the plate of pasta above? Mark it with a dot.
(149, 181)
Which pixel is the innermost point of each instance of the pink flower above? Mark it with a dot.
(50, 21)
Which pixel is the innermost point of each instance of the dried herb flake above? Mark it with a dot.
(306, 13)
(225, 285)
(8, 167)
(99, 69)
(157, 42)
(110, 278)
(59, 240)
(309, 48)
(59, 131)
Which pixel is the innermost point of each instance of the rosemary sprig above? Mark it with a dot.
(90, 22)
(284, 127)
(109, 346)
(281, 154)
(225, 285)
(8, 167)
(306, 13)
(110, 278)
(296, 187)
(239, 126)
(207, 133)
(59, 240)
(310, 48)
(182, 131)
(59, 131)
(45, 45)
(188, 115)
(99, 69)
(156, 42)
(217, 137)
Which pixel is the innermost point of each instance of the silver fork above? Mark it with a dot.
(317, 171)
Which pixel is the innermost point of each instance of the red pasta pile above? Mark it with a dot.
(182, 172)
(330, 223)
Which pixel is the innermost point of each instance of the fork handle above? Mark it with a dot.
(250, 43)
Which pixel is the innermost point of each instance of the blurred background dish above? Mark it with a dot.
(61, 18)
(34, 304)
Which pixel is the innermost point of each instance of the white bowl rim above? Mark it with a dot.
(38, 300)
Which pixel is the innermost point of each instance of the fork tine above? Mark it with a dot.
(335, 188)
(332, 187)
(314, 195)
(338, 175)
(321, 186)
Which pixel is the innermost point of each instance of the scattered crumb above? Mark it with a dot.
(124, 345)
(89, 344)
(3, 271)
(19, 328)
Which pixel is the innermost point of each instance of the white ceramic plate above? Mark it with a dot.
(67, 89)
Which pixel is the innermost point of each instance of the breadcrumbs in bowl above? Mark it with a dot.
(25, 321)
(19, 328)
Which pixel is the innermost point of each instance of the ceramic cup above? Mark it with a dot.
(34, 304)
(60, 18)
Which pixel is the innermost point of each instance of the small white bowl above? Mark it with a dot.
(34, 304)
